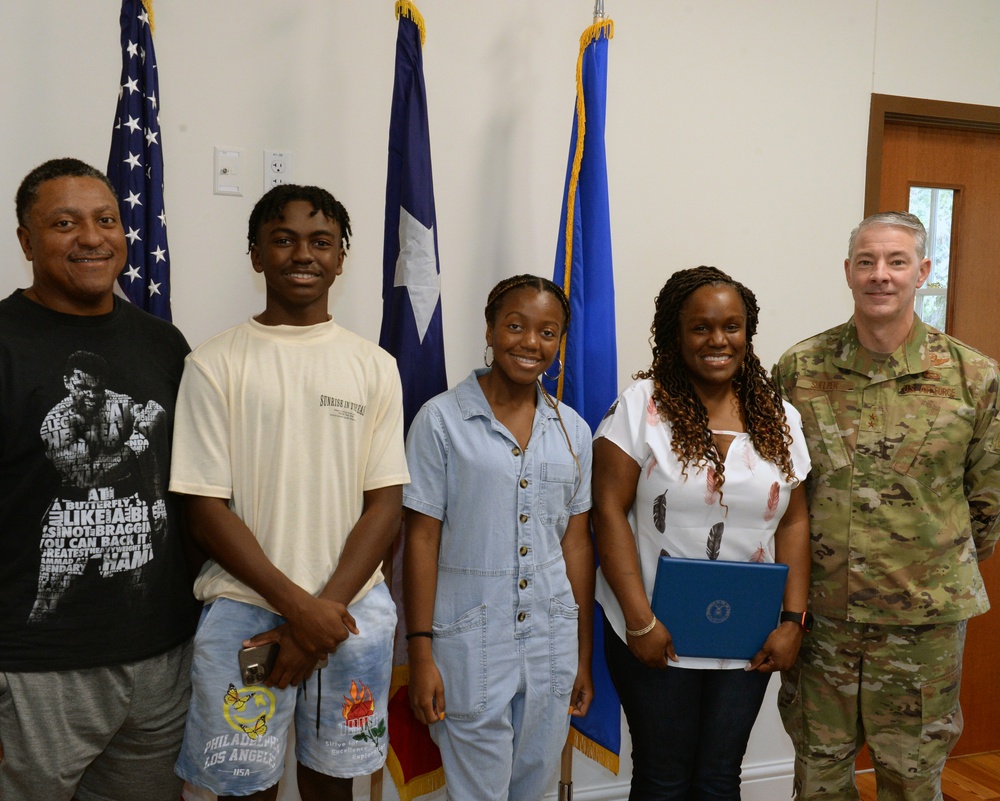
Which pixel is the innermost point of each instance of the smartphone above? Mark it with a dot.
(257, 662)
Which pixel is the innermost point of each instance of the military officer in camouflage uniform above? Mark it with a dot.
(904, 494)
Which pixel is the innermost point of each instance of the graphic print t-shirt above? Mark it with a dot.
(92, 571)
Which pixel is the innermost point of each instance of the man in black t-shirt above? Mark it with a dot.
(96, 609)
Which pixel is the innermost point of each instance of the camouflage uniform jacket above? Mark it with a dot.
(904, 493)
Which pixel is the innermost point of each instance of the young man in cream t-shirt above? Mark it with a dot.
(289, 447)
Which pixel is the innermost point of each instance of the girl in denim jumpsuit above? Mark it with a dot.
(498, 568)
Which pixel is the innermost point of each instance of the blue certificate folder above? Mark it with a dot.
(718, 609)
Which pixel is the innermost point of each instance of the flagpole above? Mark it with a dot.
(566, 772)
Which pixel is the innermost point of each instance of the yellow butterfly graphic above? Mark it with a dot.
(235, 700)
(256, 730)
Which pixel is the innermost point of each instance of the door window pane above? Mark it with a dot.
(934, 207)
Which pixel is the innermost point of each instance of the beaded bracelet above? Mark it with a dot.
(640, 632)
(428, 634)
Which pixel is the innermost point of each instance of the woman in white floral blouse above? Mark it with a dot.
(707, 462)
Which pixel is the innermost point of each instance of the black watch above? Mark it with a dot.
(804, 619)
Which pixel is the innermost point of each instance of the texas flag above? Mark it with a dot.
(411, 281)
(411, 331)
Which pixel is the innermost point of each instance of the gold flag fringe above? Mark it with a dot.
(406, 9)
(601, 755)
(148, 5)
(605, 28)
(423, 784)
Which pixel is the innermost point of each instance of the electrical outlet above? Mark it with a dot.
(277, 168)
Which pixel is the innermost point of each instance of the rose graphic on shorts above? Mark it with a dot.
(359, 710)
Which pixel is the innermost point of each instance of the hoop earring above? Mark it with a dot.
(558, 372)
(488, 363)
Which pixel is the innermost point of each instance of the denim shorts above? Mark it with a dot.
(236, 735)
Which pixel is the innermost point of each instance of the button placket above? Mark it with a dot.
(524, 590)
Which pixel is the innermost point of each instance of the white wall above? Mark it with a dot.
(736, 137)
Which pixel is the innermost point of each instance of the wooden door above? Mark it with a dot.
(928, 152)
(969, 163)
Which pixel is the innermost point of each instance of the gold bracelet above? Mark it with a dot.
(640, 632)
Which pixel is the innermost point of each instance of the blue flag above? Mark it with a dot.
(589, 378)
(411, 283)
(135, 166)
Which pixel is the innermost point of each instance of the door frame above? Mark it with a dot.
(917, 111)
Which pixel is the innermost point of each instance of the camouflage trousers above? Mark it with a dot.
(894, 687)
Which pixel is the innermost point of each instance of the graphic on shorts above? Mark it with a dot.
(109, 515)
(248, 710)
(258, 729)
(248, 749)
(359, 713)
(235, 700)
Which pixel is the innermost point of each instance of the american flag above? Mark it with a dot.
(135, 166)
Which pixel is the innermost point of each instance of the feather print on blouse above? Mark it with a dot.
(650, 466)
(652, 413)
(749, 458)
(660, 512)
(710, 486)
(772, 502)
(714, 543)
(758, 554)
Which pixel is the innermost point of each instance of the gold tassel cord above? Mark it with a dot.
(604, 28)
(406, 9)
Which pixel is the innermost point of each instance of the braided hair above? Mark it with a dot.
(498, 293)
(272, 204)
(674, 394)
